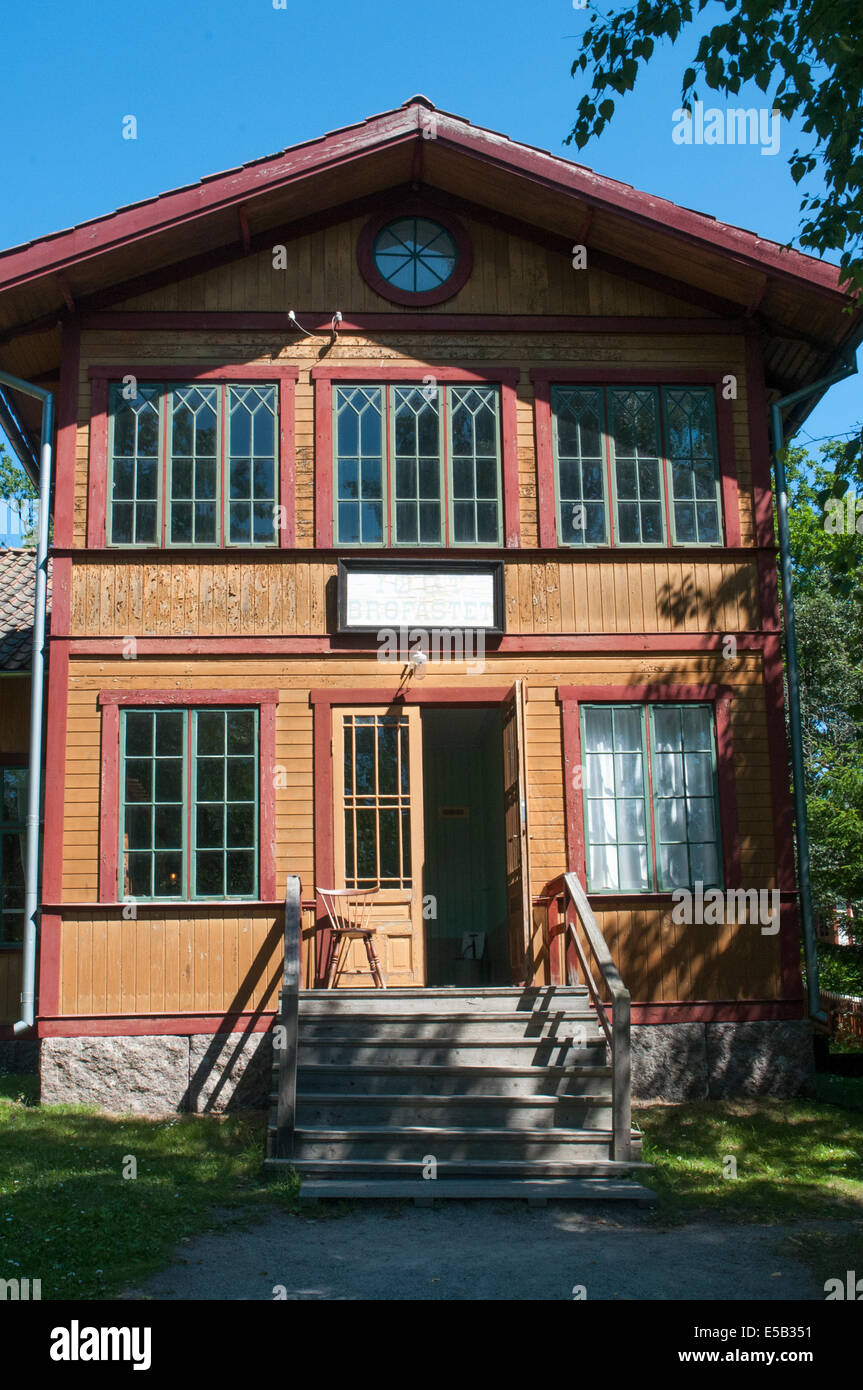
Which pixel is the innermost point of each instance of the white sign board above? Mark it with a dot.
(419, 599)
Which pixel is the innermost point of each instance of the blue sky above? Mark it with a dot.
(213, 83)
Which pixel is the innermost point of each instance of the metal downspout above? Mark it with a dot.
(795, 722)
(37, 694)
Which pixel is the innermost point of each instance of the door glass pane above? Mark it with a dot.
(377, 801)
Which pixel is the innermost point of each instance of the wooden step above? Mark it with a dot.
(411, 1171)
(536, 1191)
(315, 1078)
(465, 1112)
(450, 1142)
(402, 1051)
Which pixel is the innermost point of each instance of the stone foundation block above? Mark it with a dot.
(669, 1061)
(147, 1076)
(774, 1058)
(230, 1071)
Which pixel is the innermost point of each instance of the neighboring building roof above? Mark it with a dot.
(17, 583)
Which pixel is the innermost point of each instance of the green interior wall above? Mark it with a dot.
(465, 863)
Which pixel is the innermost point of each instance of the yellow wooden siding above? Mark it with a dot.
(660, 974)
(121, 596)
(510, 276)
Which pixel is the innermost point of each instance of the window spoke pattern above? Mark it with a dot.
(13, 832)
(658, 447)
(650, 797)
(475, 455)
(579, 413)
(635, 430)
(417, 465)
(359, 471)
(251, 465)
(135, 474)
(417, 473)
(189, 803)
(415, 254)
(690, 436)
(193, 465)
(377, 801)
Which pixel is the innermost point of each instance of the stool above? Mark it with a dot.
(349, 911)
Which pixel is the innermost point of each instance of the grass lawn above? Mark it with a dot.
(70, 1218)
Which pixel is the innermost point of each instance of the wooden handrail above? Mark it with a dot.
(617, 1032)
(287, 1023)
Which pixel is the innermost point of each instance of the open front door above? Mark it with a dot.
(378, 805)
(518, 913)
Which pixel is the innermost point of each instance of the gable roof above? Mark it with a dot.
(796, 299)
(17, 576)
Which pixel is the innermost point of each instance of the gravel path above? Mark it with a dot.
(485, 1250)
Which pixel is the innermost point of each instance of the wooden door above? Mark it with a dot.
(518, 907)
(378, 803)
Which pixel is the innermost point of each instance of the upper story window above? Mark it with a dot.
(651, 807)
(193, 465)
(417, 465)
(636, 465)
(13, 831)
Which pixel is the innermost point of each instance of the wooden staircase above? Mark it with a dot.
(495, 1092)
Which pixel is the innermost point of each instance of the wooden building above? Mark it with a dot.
(459, 578)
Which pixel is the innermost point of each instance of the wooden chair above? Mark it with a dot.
(349, 911)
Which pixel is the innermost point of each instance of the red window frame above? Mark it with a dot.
(101, 375)
(571, 697)
(544, 378)
(387, 374)
(110, 702)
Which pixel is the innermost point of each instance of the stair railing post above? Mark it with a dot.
(621, 1089)
(287, 1035)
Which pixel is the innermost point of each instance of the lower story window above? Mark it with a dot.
(13, 831)
(650, 797)
(189, 803)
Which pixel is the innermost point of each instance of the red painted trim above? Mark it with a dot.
(719, 1011)
(790, 938)
(55, 776)
(264, 372)
(67, 430)
(727, 467)
(323, 462)
(188, 698)
(110, 702)
(539, 642)
(155, 1025)
(49, 962)
(444, 695)
(780, 783)
(60, 620)
(544, 436)
(109, 804)
(267, 798)
(529, 167)
(571, 697)
(759, 445)
(319, 321)
(188, 1025)
(97, 491)
(644, 694)
(288, 460)
(415, 208)
(509, 464)
(485, 552)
